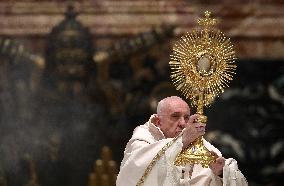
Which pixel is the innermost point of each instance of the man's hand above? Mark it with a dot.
(192, 131)
(217, 166)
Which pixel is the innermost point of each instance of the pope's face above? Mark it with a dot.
(174, 118)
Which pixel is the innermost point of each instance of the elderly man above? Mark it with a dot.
(150, 154)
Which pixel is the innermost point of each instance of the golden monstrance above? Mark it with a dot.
(202, 64)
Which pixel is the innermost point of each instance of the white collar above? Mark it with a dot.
(154, 130)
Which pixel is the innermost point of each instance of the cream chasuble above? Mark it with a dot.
(147, 141)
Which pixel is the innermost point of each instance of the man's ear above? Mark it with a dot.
(156, 120)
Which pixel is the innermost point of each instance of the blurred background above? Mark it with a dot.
(76, 77)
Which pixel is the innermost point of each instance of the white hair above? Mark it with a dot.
(164, 103)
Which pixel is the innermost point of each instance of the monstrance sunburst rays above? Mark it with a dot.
(191, 78)
(202, 65)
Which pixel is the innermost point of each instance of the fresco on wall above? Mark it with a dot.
(56, 114)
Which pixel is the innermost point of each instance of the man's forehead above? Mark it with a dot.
(173, 104)
(179, 108)
(178, 104)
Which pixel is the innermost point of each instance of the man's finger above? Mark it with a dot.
(192, 118)
(200, 125)
(220, 161)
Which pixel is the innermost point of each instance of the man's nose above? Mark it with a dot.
(182, 122)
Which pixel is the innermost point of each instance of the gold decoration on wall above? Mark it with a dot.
(105, 170)
(202, 64)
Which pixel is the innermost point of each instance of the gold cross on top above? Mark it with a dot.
(207, 21)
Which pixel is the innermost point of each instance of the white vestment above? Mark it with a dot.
(147, 140)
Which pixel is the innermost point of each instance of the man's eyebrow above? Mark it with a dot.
(180, 114)
(176, 113)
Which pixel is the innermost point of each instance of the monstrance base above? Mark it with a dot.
(196, 153)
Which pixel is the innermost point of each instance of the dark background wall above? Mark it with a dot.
(56, 113)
